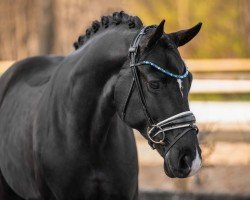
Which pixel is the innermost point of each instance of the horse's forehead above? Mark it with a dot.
(168, 58)
(166, 42)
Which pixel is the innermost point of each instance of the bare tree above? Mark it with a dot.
(18, 27)
(46, 26)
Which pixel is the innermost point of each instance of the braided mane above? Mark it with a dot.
(106, 21)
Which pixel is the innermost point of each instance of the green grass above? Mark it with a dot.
(219, 97)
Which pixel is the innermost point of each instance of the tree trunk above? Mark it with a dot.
(244, 10)
(46, 26)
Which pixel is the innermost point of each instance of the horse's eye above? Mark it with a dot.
(154, 85)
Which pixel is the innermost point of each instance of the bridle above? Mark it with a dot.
(182, 120)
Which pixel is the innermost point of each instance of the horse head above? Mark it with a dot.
(151, 96)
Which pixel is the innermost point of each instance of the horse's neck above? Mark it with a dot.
(89, 104)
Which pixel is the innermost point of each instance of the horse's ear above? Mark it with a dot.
(157, 34)
(184, 36)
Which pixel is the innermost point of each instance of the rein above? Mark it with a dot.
(182, 120)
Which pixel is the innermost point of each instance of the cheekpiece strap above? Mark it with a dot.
(133, 50)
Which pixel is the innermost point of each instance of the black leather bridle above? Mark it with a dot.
(182, 120)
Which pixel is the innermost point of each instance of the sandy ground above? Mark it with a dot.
(216, 179)
(226, 169)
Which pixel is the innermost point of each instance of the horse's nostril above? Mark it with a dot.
(185, 164)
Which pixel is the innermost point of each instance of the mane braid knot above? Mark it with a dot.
(106, 21)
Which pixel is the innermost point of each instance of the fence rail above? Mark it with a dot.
(195, 65)
(4, 65)
(202, 86)
(205, 66)
(218, 65)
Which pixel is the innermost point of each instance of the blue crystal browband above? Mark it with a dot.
(168, 73)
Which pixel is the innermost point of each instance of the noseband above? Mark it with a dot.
(157, 131)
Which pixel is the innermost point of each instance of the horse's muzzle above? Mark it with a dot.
(181, 170)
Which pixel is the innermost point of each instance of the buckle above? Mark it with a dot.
(193, 126)
(132, 49)
(151, 144)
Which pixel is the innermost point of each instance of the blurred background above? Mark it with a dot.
(219, 58)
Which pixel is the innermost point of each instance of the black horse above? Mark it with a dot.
(66, 122)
